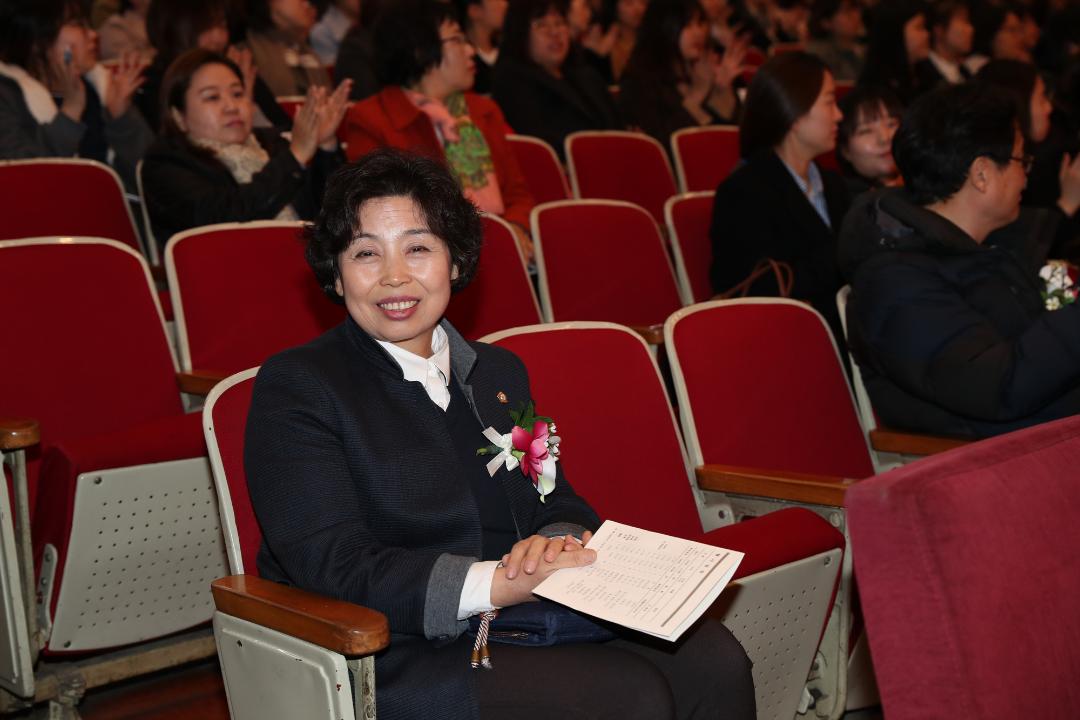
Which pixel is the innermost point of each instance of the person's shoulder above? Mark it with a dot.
(480, 105)
(496, 356)
(314, 362)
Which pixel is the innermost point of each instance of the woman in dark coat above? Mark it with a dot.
(542, 84)
(779, 204)
(208, 166)
(360, 454)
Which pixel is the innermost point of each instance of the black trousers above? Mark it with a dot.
(704, 675)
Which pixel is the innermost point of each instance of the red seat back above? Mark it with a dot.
(242, 292)
(501, 294)
(54, 197)
(621, 449)
(970, 553)
(761, 385)
(602, 260)
(87, 351)
(224, 419)
(541, 167)
(688, 218)
(704, 156)
(616, 165)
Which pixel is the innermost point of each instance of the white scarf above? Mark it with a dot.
(38, 98)
(243, 160)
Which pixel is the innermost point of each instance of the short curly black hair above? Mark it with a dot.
(407, 41)
(388, 172)
(945, 130)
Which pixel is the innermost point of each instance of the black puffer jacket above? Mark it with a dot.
(953, 337)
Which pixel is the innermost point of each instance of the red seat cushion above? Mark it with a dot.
(776, 538)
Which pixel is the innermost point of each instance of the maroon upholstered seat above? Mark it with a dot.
(704, 156)
(966, 570)
(541, 167)
(688, 217)
(618, 165)
(501, 294)
(242, 292)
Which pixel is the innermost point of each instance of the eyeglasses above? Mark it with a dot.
(1026, 161)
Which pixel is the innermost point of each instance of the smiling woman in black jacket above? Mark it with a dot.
(947, 317)
(209, 167)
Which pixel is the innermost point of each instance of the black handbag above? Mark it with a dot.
(543, 623)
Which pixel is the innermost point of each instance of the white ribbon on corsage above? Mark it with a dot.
(505, 445)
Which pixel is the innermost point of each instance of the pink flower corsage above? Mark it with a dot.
(531, 445)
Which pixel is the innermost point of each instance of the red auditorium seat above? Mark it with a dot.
(688, 217)
(541, 167)
(123, 524)
(242, 292)
(967, 578)
(602, 260)
(704, 156)
(602, 378)
(617, 165)
(501, 294)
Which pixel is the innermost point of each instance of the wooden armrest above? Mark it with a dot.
(199, 382)
(796, 487)
(342, 627)
(18, 433)
(653, 334)
(903, 443)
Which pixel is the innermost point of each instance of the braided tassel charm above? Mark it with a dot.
(481, 655)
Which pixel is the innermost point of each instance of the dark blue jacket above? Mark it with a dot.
(361, 495)
(953, 337)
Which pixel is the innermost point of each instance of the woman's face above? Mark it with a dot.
(78, 43)
(628, 13)
(216, 106)
(1040, 109)
(549, 41)
(958, 35)
(1009, 41)
(816, 129)
(579, 16)
(295, 17)
(489, 13)
(457, 69)
(692, 40)
(847, 23)
(395, 275)
(916, 38)
(869, 149)
(715, 10)
(214, 39)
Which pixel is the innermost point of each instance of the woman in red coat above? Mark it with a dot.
(425, 64)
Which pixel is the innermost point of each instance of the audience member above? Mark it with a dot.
(620, 21)
(209, 166)
(425, 65)
(483, 23)
(719, 15)
(55, 99)
(544, 88)
(836, 29)
(951, 327)
(125, 32)
(277, 34)
(674, 80)
(951, 36)
(898, 40)
(999, 35)
(176, 26)
(1054, 177)
(356, 56)
(779, 204)
(865, 137)
(326, 35)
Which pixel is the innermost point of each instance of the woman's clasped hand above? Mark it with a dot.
(316, 122)
(533, 560)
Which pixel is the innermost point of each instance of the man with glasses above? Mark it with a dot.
(949, 318)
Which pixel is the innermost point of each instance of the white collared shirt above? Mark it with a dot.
(949, 70)
(434, 374)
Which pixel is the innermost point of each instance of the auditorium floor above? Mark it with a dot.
(195, 691)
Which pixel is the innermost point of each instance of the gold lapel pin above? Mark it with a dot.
(502, 397)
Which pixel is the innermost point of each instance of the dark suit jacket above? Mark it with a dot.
(361, 495)
(537, 103)
(760, 212)
(185, 188)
